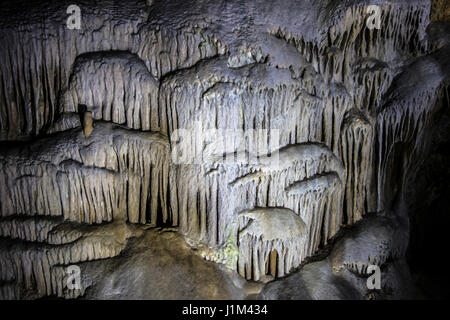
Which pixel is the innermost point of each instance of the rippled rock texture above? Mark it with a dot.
(124, 146)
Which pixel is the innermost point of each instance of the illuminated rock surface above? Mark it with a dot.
(89, 120)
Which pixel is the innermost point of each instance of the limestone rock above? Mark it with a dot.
(261, 133)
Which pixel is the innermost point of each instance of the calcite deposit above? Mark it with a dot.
(267, 138)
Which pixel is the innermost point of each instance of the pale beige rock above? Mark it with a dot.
(88, 125)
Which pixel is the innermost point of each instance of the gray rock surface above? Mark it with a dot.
(159, 265)
(92, 121)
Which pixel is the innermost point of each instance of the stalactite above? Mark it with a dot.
(113, 173)
(356, 152)
(103, 109)
(114, 86)
(40, 268)
(36, 68)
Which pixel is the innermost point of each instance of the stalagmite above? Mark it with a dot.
(87, 123)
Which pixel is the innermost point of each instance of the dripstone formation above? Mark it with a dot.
(94, 169)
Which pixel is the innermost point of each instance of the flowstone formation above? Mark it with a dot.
(248, 137)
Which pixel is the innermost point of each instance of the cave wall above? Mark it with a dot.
(343, 107)
(440, 10)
